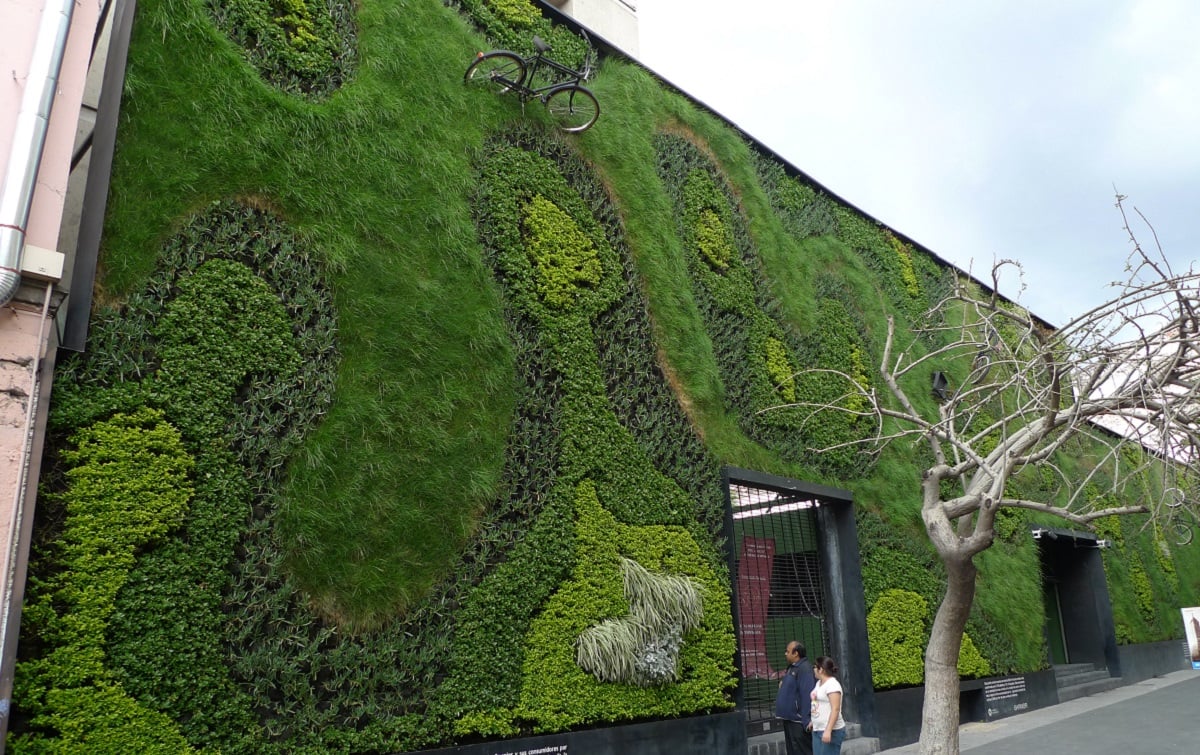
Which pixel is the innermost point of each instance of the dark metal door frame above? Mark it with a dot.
(845, 608)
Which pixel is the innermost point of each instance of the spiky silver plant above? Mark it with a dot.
(642, 648)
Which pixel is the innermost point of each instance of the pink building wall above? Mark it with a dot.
(19, 20)
(26, 328)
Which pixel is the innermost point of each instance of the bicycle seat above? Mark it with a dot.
(540, 45)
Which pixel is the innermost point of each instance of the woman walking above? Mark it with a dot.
(828, 726)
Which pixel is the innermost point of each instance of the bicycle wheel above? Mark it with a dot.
(981, 365)
(1173, 497)
(573, 108)
(499, 69)
(1182, 531)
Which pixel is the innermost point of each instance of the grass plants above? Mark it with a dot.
(419, 374)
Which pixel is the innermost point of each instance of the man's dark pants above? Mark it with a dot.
(798, 741)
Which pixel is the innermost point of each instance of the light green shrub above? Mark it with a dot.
(128, 485)
(904, 260)
(1140, 581)
(897, 635)
(780, 369)
(712, 240)
(563, 257)
(971, 664)
(557, 693)
(519, 14)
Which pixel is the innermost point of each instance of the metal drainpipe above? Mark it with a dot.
(29, 140)
(17, 524)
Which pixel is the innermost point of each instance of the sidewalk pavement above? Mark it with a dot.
(1158, 716)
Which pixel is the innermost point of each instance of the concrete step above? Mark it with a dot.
(860, 746)
(855, 744)
(1081, 677)
(1070, 668)
(1090, 688)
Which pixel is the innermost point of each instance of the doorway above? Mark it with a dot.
(1055, 639)
(779, 585)
(796, 575)
(1079, 621)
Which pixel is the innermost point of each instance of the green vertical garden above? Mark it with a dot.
(402, 416)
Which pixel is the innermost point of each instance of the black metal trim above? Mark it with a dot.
(786, 485)
(739, 696)
(841, 566)
(95, 195)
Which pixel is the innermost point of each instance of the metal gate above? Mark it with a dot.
(778, 589)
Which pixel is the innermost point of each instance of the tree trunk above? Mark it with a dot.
(939, 718)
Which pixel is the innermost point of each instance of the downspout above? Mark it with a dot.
(10, 600)
(29, 140)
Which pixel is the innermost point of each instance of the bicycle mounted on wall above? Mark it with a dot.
(572, 107)
(1180, 516)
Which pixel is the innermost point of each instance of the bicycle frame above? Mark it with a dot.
(1182, 524)
(572, 106)
(525, 89)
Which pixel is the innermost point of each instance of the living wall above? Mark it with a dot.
(402, 416)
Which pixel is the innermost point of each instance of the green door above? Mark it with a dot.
(1054, 627)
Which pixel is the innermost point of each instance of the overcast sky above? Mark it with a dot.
(979, 129)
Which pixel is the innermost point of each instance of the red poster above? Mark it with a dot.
(754, 592)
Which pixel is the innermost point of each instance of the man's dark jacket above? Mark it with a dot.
(794, 701)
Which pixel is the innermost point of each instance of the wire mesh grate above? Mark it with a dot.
(778, 587)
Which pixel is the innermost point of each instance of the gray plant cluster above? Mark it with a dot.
(657, 660)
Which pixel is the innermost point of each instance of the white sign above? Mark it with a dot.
(1191, 628)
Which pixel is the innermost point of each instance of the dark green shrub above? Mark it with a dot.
(755, 352)
(512, 25)
(242, 345)
(620, 475)
(303, 47)
(803, 210)
(836, 343)
(223, 325)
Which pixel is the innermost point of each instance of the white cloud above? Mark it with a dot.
(980, 129)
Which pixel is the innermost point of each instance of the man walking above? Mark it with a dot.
(794, 702)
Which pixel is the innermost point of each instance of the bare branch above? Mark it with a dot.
(1104, 410)
(1082, 519)
(1121, 381)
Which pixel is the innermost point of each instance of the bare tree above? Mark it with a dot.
(1121, 378)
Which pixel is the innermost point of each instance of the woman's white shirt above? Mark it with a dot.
(822, 708)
